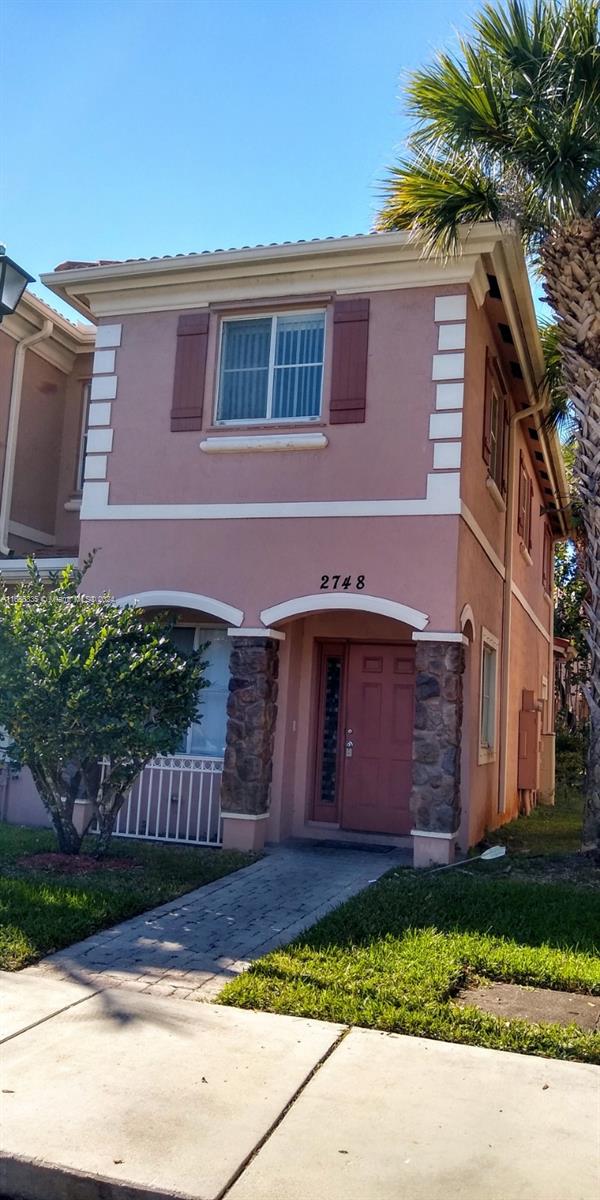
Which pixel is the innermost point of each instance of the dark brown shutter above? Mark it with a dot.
(487, 412)
(521, 510)
(190, 371)
(349, 375)
(505, 447)
(530, 517)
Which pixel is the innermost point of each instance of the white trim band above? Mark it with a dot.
(443, 499)
(518, 595)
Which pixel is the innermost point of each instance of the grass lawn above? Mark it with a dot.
(41, 911)
(548, 831)
(394, 956)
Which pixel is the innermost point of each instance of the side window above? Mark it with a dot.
(83, 433)
(488, 697)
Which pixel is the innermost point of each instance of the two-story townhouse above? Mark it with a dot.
(328, 459)
(45, 380)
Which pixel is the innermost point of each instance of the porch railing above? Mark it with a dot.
(174, 799)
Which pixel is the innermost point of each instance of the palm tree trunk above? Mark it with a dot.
(571, 269)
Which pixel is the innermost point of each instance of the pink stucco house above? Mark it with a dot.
(328, 459)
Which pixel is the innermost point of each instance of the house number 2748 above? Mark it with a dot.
(342, 582)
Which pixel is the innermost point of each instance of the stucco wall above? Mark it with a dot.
(387, 457)
(480, 586)
(38, 445)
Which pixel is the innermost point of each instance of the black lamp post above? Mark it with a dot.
(13, 281)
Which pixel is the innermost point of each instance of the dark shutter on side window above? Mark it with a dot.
(487, 412)
(349, 374)
(190, 371)
(522, 504)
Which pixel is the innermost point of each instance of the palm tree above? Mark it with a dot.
(508, 130)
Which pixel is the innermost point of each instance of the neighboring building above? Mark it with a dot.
(328, 459)
(45, 379)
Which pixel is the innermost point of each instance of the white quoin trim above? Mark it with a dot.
(193, 600)
(348, 602)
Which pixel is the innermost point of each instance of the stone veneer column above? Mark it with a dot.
(435, 795)
(251, 715)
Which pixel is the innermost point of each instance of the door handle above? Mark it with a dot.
(349, 749)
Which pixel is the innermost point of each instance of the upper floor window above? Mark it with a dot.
(525, 505)
(271, 367)
(83, 433)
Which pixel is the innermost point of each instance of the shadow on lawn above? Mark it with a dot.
(466, 900)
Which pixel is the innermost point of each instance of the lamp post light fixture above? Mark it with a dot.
(13, 281)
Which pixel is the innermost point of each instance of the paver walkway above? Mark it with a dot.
(191, 947)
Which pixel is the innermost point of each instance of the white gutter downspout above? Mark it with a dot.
(14, 412)
(522, 415)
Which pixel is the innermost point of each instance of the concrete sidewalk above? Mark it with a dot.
(117, 1095)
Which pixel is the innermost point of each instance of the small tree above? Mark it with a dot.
(84, 682)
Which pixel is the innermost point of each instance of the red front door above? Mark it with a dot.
(376, 747)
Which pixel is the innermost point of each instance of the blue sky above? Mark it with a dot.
(140, 127)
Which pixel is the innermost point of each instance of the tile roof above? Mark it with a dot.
(114, 262)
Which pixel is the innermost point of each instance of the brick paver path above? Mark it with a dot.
(190, 947)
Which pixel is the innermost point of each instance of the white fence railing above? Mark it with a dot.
(174, 799)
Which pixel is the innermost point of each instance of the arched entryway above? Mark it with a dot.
(342, 742)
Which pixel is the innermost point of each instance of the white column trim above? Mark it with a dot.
(234, 816)
(276, 634)
(431, 636)
(433, 833)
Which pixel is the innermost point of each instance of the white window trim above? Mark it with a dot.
(268, 419)
(198, 641)
(487, 754)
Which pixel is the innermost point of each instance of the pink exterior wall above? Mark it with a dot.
(474, 472)
(387, 457)
(38, 445)
(482, 587)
